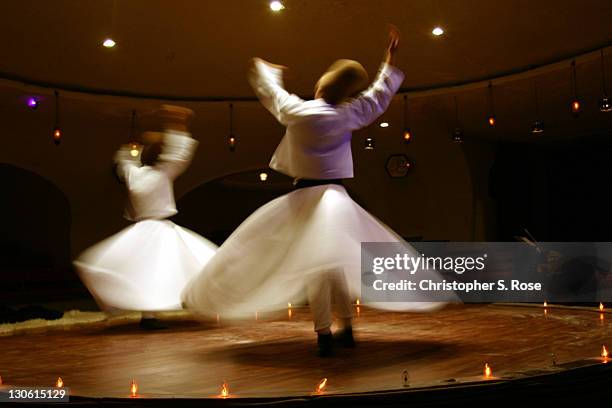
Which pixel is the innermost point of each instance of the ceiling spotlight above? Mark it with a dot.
(384, 124)
(368, 143)
(437, 31)
(276, 5)
(263, 176)
(33, 103)
(537, 128)
(109, 43)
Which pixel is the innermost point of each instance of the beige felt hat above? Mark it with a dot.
(343, 79)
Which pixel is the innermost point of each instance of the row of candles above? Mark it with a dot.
(320, 388)
(225, 390)
(601, 309)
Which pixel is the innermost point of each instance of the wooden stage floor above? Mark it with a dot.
(274, 356)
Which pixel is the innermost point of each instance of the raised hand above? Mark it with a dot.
(271, 65)
(394, 38)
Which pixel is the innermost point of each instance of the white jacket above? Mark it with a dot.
(317, 142)
(150, 188)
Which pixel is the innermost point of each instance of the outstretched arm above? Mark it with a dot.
(178, 145)
(373, 102)
(267, 82)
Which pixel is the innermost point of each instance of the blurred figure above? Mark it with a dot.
(146, 266)
(306, 245)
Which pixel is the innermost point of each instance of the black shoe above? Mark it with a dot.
(149, 323)
(345, 338)
(325, 345)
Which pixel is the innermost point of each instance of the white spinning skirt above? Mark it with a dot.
(267, 261)
(144, 267)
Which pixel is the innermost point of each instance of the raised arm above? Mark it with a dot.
(178, 145)
(373, 102)
(267, 82)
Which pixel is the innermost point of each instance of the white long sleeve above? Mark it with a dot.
(374, 101)
(177, 152)
(267, 82)
(317, 142)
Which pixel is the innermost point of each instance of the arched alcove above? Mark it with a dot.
(35, 239)
(216, 208)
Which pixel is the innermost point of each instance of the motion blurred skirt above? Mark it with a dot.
(270, 258)
(144, 267)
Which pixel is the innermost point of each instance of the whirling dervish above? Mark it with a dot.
(146, 266)
(306, 245)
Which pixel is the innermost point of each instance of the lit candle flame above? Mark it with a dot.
(321, 386)
(601, 307)
(59, 383)
(604, 352)
(487, 371)
(357, 302)
(133, 388)
(224, 390)
(545, 304)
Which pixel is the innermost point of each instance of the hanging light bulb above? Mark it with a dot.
(491, 119)
(369, 143)
(407, 134)
(575, 105)
(537, 128)
(57, 130)
(264, 177)
(605, 105)
(232, 140)
(134, 151)
(457, 135)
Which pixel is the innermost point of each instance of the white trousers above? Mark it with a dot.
(326, 290)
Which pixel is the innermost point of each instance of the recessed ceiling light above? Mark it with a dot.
(109, 43)
(437, 31)
(384, 124)
(276, 5)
